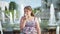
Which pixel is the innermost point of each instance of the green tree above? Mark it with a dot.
(35, 9)
(12, 6)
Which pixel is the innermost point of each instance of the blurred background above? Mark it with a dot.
(47, 12)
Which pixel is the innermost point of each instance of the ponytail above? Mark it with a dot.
(32, 14)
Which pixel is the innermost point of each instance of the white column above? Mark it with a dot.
(57, 30)
(3, 17)
(1, 28)
(14, 15)
(11, 21)
(52, 19)
(39, 20)
(52, 15)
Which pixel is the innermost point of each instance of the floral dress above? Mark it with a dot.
(30, 27)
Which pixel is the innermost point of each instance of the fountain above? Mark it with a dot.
(4, 4)
(11, 21)
(52, 19)
(14, 15)
(57, 29)
(3, 17)
(58, 15)
(1, 28)
(2, 12)
(39, 20)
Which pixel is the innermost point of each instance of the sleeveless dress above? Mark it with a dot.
(30, 27)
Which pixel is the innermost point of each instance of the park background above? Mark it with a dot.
(47, 12)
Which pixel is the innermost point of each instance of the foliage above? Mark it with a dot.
(34, 11)
(44, 24)
(12, 11)
(37, 9)
(12, 6)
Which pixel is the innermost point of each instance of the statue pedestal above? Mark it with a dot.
(53, 27)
